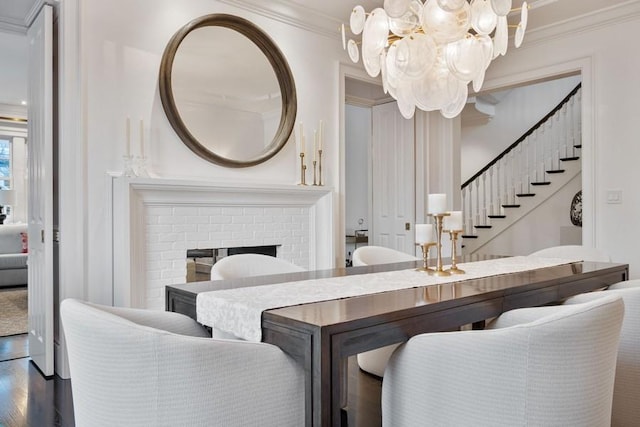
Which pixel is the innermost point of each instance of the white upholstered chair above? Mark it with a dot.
(584, 253)
(374, 361)
(557, 370)
(132, 367)
(247, 265)
(626, 392)
(371, 255)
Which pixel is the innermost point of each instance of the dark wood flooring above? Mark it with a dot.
(27, 399)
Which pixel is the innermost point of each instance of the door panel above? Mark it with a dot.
(40, 205)
(393, 179)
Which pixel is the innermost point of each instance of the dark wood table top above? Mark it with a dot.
(322, 335)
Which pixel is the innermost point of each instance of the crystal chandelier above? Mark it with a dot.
(428, 52)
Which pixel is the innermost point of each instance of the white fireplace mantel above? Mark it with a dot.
(134, 197)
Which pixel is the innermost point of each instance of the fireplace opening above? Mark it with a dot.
(200, 261)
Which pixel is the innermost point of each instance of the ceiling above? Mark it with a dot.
(17, 13)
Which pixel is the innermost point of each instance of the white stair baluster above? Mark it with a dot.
(491, 199)
(484, 199)
(477, 217)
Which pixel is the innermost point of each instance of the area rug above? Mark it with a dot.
(13, 312)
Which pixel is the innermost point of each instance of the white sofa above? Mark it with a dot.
(13, 262)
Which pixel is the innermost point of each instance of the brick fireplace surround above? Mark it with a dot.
(156, 220)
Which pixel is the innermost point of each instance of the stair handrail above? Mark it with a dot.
(523, 137)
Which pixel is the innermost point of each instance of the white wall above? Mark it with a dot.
(357, 147)
(519, 110)
(13, 72)
(121, 53)
(610, 124)
(547, 225)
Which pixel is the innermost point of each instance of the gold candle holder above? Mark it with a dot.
(439, 271)
(453, 234)
(314, 172)
(303, 171)
(320, 167)
(425, 257)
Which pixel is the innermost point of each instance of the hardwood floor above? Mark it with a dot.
(27, 399)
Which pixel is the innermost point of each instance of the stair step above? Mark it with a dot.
(482, 226)
(526, 195)
(569, 159)
(556, 171)
(578, 145)
(510, 206)
(496, 216)
(541, 183)
(469, 236)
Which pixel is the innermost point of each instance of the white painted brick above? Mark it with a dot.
(185, 211)
(152, 274)
(221, 219)
(209, 210)
(158, 247)
(172, 220)
(265, 235)
(159, 228)
(264, 219)
(152, 238)
(207, 228)
(198, 219)
(231, 211)
(181, 246)
(242, 220)
(232, 227)
(183, 228)
(193, 237)
(242, 235)
(151, 219)
(301, 219)
(253, 211)
(293, 211)
(171, 255)
(274, 226)
(170, 237)
(273, 211)
(159, 210)
(254, 227)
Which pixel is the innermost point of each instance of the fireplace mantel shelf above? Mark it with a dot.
(169, 184)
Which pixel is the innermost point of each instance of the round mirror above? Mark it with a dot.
(228, 91)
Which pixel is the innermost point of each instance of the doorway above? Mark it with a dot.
(379, 173)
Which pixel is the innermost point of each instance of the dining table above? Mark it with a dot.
(321, 318)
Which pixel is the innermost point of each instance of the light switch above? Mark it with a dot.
(614, 196)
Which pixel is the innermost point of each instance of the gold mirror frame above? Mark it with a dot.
(280, 67)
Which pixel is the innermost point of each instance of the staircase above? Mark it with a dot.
(522, 177)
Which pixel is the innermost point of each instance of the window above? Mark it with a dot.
(5, 163)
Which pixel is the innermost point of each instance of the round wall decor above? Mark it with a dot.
(575, 213)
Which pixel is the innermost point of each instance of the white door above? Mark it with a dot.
(40, 206)
(393, 179)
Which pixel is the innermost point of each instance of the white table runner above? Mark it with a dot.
(239, 311)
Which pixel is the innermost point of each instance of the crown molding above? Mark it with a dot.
(19, 26)
(292, 14)
(12, 26)
(33, 13)
(604, 17)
